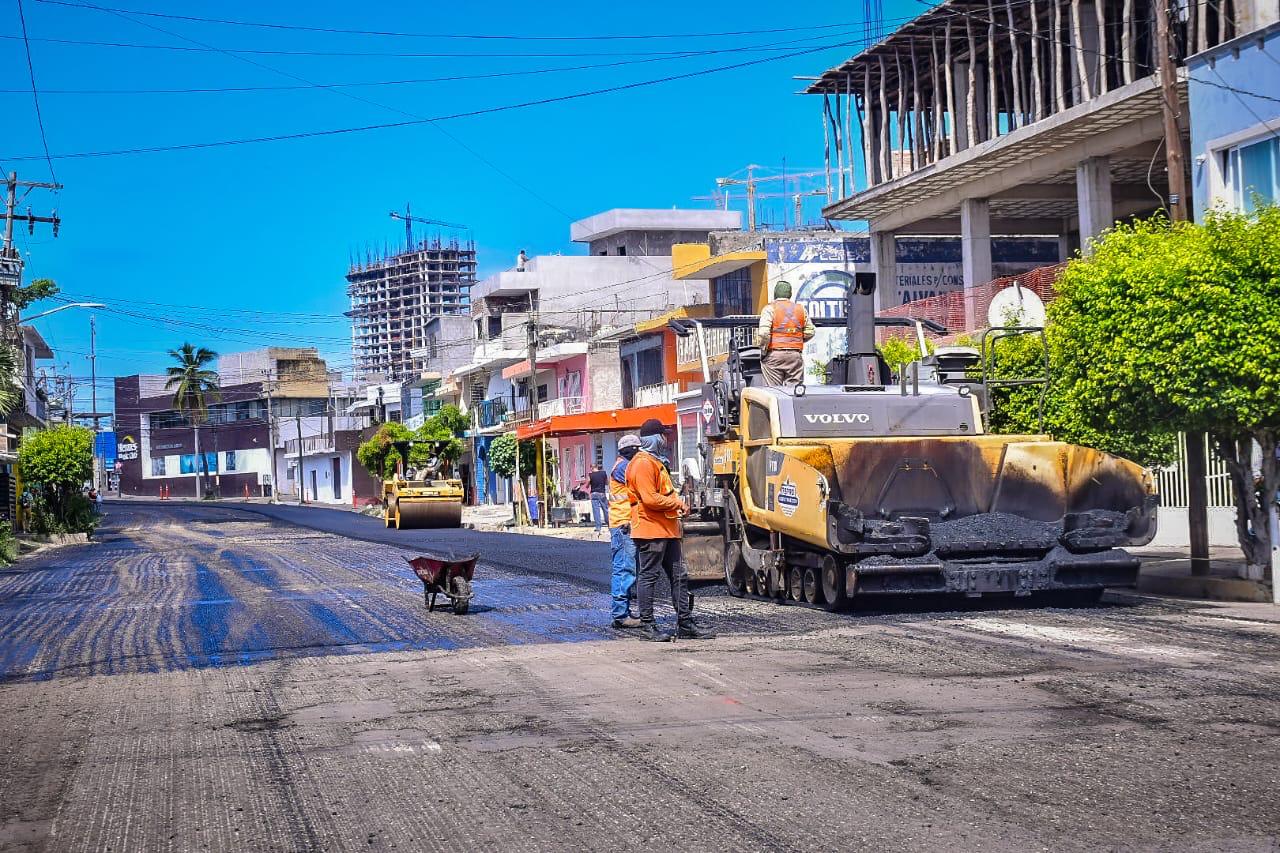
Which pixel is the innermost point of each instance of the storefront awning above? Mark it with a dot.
(616, 420)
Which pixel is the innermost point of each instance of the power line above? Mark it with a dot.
(483, 37)
(348, 54)
(192, 146)
(408, 81)
(35, 93)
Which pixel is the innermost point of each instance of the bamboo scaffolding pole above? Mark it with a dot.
(918, 140)
(1017, 116)
(886, 152)
(869, 130)
(936, 137)
(971, 96)
(1100, 9)
(1126, 42)
(848, 131)
(1055, 42)
(993, 92)
(1077, 49)
(1037, 75)
(826, 142)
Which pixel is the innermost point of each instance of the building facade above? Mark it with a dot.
(393, 297)
(1030, 119)
(1235, 122)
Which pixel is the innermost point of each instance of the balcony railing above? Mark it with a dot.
(719, 341)
(311, 444)
(656, 395)
(491, 412)
(560, 406)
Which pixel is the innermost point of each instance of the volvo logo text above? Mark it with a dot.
(839, 418)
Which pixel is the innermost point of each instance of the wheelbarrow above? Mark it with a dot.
(448, 576)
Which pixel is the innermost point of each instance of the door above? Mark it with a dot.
(315, 492)
(337, 479)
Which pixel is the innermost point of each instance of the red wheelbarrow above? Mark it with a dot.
(448, 576)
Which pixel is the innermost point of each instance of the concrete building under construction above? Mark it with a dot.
(394, 295)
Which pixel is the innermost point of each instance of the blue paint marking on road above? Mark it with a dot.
(235, 594)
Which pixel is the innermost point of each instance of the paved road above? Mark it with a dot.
(210, 679)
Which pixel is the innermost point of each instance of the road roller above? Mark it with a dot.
(422, 496)
(864, 486)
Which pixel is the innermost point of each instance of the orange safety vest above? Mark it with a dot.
(619, 500)
(789, 321)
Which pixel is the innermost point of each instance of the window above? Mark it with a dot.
(230, 461)
(622, 250)
(168, 420)
(1252, 174)
(187, 463)
(157, 466)
(732, 293)
(758, 422)
(649, 367)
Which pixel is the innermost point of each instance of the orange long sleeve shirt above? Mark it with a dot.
(655, 506)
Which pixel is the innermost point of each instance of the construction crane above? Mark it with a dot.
(408, 218)
(750, 181)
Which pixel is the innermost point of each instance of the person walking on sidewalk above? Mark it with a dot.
(655, 529)
(598, 481)
(623, 585)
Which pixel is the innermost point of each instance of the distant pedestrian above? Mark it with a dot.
(655, 529)
(598, 484)
(621, 546)
(96, 497)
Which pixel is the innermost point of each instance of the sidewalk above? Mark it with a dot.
(1167, 571)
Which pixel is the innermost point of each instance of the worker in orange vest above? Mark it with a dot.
(783, 329)
(655, 528)
(623, 549)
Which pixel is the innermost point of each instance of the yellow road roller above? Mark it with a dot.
(422, 496)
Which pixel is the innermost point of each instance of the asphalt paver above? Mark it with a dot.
(205, 678)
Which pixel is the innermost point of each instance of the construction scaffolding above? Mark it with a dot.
(394, 295)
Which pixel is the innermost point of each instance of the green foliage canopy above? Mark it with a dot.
(57, 462)
(1169, 327)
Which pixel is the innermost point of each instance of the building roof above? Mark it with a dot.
(622, 219)
(39, 347)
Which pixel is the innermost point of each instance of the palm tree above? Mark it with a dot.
(193, 386)
(10, 389)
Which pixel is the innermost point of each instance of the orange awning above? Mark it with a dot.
(587, 422)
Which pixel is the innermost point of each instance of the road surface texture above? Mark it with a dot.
(212, 679)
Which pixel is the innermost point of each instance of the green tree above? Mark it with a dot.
(57, 463)
(502, 456)
(1174, 327)
(10, 390)
(194, 386)
(379, 455)
(39, 288)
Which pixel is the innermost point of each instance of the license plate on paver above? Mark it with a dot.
(1019, 581)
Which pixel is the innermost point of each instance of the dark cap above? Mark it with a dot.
(653, 426)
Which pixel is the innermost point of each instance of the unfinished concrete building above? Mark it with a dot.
(394, 296)
(1018, 117)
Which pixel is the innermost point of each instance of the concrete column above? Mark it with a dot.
(1093, 198)
(975, 251)
(884, 263)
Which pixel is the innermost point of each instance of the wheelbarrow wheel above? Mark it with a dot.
(461, 595)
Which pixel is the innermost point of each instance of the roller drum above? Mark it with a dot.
(414, 515)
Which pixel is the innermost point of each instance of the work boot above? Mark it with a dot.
(627, 622)
(651, 631)
(693, 631)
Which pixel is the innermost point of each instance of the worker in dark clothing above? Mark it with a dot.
(598, 482)
(783, 329)
(655, 528)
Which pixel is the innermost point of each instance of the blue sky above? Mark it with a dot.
(270, 227)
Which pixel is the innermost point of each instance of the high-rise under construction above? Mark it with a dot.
(394, 295)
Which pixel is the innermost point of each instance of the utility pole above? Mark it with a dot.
(93, 370)
(10, 260)
(539, 445)
(1175, 164)
(271, 439)
(298, 421)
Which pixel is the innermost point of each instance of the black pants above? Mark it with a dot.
(656, 557)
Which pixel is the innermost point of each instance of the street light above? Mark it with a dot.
(61, 308)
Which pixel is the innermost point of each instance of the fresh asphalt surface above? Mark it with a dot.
(210, 678)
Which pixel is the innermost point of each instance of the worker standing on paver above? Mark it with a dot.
(784, 327)
(655, 529)
(623, 585)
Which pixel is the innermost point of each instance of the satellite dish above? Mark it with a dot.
(1017, 306)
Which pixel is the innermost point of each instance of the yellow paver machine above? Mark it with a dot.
(422, 496)
(865, 487)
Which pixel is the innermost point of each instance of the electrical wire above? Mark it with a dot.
(312, 134)
(35, 92)
(484, 37)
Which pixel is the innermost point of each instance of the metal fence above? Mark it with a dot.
(1171, 481)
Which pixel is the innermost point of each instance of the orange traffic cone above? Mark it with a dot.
(246, 491)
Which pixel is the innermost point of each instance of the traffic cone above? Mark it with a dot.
(164, 492)
(246, 491)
